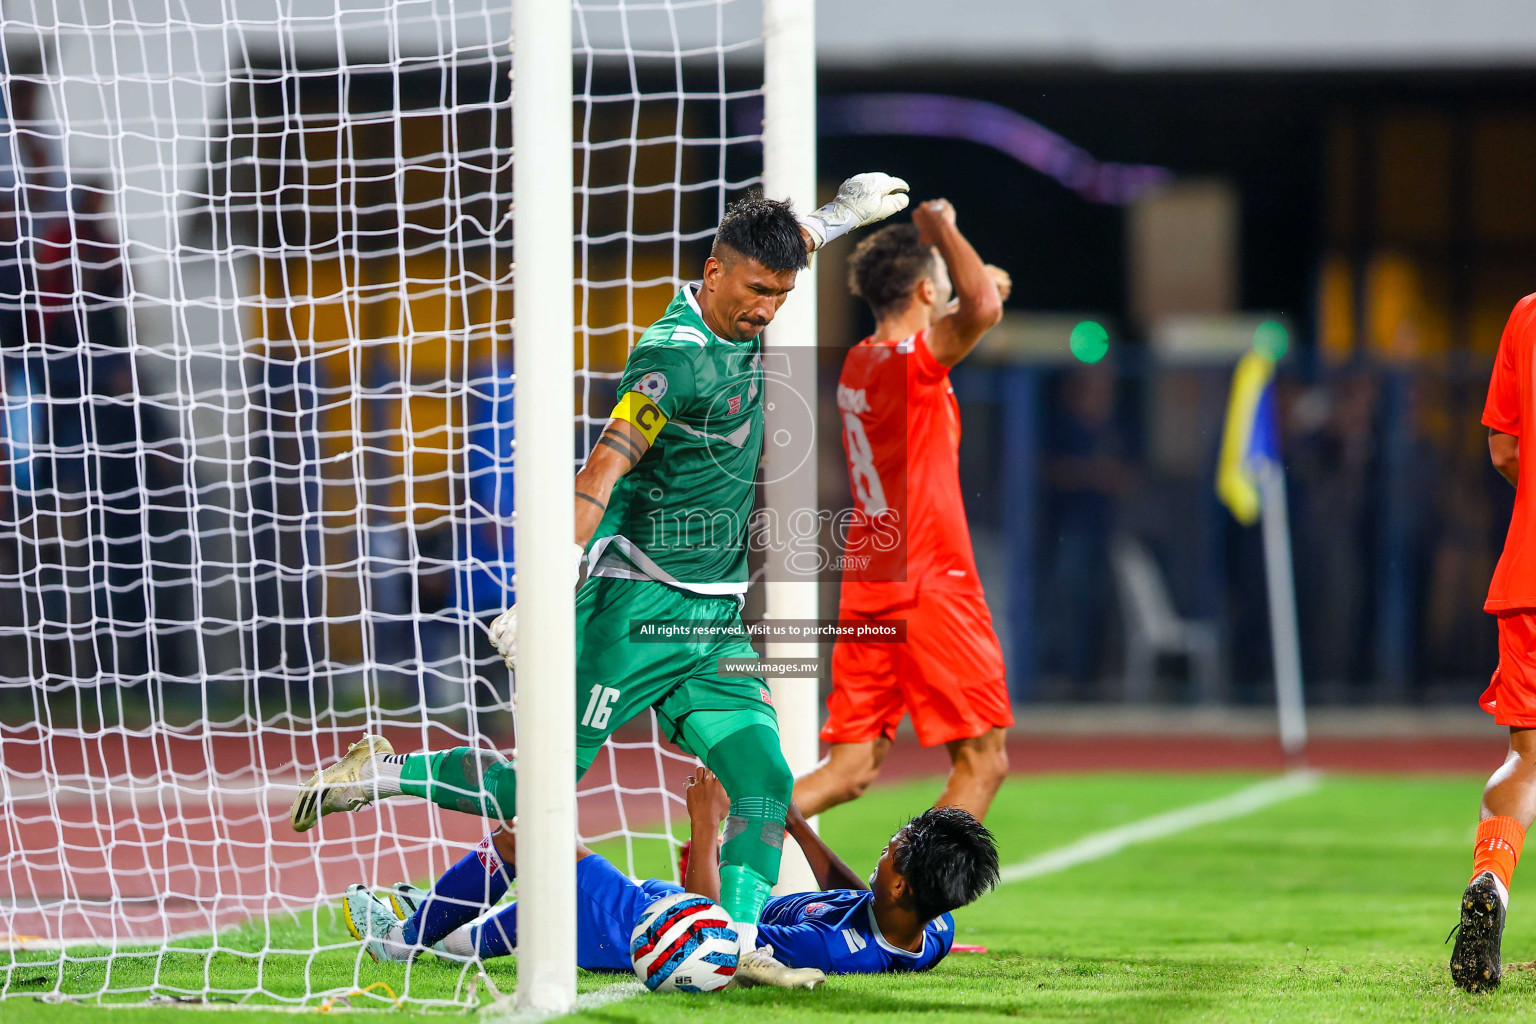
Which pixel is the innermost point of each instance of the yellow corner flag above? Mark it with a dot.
(1250, 436)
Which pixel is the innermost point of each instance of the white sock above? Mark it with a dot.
(1499, 888)
(461, 942)
(386, 773)
(395, 946)
(747, 934)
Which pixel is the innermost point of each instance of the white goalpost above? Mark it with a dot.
(267, 268)
(546, 683)
(789, 171)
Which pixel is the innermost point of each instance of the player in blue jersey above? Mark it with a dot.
(940, 860)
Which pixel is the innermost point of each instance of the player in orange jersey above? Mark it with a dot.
(1509, 801)
(908, 550)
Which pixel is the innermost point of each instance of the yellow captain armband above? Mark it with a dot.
(645, 415)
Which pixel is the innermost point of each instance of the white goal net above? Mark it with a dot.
(256, 449)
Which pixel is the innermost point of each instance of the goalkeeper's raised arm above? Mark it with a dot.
(862, 200)
(752, 267)
(743, 287)
(748, 276)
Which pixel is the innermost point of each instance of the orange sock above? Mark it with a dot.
(1498, 848)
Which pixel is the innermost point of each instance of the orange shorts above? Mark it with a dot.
(948, 675)
(1511, 694)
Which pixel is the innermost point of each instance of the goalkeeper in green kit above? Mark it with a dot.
(662, 509)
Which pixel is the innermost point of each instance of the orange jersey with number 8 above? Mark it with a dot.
(901, 435)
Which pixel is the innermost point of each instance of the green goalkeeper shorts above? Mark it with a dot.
(626, 661)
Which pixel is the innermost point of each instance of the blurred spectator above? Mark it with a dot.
(483, 578)
(99, 466)
(135, 467)
(15, 267)
(484, 582)
(39, 162)
(1089, 470)
(1331, 460)
(1457, 632)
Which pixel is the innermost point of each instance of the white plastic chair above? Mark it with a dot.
(1154, 627)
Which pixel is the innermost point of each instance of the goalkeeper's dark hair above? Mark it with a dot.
(948, 859)
(764, 230)
(887, 265)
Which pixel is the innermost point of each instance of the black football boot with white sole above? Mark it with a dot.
(1475, 963)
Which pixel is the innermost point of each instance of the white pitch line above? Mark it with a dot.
(1089, 848)
(505, 1010)
(1160, 826)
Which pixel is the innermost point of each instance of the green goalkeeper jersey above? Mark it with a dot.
(680, 515)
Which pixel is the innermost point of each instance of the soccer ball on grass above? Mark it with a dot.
(684, 943)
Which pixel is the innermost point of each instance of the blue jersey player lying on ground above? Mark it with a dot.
(940, 860)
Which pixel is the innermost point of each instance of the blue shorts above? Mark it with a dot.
(608, 904)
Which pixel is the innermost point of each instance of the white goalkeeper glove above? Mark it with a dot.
(504, 627)
(862, 200)
(504, 636)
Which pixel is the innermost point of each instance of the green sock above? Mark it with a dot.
(743, 893)
(752, 769)
(749, 858)
(462, 779)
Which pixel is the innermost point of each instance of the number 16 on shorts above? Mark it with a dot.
(599, 707)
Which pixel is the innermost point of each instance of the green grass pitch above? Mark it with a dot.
(1332, 906)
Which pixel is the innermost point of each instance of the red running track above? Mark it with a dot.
(1388, 756)
(139, 861)
(101, 847)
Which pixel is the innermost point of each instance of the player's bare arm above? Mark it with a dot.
(830, 870)
(1504, 450)
(618, 450)
(738, 297)
(979, 305)
(708, 806)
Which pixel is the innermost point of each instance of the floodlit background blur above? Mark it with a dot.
(1162, 179)
(1356, 172)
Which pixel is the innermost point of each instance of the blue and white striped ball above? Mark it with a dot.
(684, 943)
